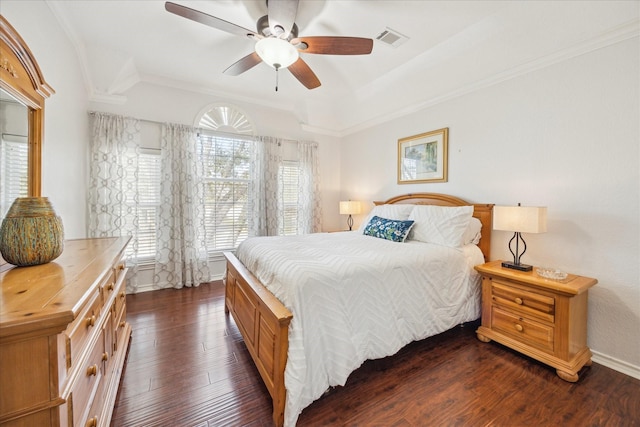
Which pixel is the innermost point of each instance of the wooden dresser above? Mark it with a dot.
(542, 318)
(64, 336)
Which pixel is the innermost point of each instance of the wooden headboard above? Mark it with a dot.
(484, 212)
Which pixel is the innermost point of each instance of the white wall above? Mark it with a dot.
(64, 149)
(566, 137)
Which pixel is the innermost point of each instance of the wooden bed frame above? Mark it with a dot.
(264, 321)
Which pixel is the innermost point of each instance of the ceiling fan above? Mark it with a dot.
(277, 41)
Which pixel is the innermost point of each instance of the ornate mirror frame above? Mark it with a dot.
(20, 76)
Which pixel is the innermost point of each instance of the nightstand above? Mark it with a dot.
(542, 318)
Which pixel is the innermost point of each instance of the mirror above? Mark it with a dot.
(21, 82)
(14, 151)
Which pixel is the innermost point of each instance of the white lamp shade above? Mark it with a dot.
(523, 219)
(351, 207)
(276, 51)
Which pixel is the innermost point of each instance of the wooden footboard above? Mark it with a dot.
(263, 322)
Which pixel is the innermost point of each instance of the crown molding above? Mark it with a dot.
(320, 131)
(106, 98)
(205, 90)
(619, 34)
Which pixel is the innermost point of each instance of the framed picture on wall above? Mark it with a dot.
(423, 157)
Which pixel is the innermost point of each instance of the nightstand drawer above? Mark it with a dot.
(525, 302)
(522, 329)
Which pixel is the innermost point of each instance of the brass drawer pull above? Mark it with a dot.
(518, 327)
(518, 301)
(91, 321)
(110, 286)
(123, 294)
(92, 422)
(105, 356)
(92, 370)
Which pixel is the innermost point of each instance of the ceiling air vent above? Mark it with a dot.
(392, 37)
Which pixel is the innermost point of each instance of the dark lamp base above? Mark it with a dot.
(514, 266)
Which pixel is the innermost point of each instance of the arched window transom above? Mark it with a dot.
(225, 118)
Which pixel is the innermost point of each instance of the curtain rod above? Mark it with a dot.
(200, 130)
(204, 131)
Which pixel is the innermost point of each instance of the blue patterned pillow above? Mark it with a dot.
(389, 229)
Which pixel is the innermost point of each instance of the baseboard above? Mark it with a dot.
(147, 287)
(616, 364)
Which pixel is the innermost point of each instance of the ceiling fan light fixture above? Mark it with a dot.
(276, 53)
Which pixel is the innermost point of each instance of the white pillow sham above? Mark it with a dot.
(472, 233)
(442, 225)
(398, 212)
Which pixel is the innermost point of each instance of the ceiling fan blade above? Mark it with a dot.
(243, 64)
(282, 13)
(304, 74)
(328, 45)
(211, 21)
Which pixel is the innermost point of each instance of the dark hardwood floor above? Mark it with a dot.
(187, 366)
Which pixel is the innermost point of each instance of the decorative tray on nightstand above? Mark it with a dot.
(551, 273)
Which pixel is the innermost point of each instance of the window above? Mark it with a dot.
(227, 164)
(288, 194)
(13, 171)
(225, 118)
(149, 201)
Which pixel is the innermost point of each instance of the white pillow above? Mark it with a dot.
(442, 225)
(398, 212)
(472, 233)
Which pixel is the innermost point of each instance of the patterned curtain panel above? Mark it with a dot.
(182, 253)
(265, 203)
(113, 187)
(285, 195)
(309, 208)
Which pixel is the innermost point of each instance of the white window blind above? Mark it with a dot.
(289, 189)
(149, 202)
(227, 165)
(14, 158)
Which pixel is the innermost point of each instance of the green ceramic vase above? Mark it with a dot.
(31, 233)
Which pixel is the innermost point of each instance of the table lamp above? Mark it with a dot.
(351, 207)
(519, 219)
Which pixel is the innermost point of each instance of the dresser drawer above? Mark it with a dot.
(121, 296)
(109, 286)
(81, 329)
(524, 330)
(87, 382)
(522, 301)
(96, 416)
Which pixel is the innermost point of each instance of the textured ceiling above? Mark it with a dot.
(453, 47)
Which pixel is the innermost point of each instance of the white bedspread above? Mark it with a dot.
(356, 297)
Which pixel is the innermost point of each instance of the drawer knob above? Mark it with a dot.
(110, 286)
(91, 321)
(121, 266)
(92, 422)
(92, 370)
(105, 356)
(123, 294)
(518, 327)
(518, 301)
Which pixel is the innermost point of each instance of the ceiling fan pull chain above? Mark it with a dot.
(277, 68)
